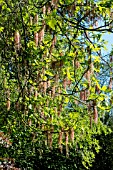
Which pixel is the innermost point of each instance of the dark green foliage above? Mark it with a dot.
(104, 159)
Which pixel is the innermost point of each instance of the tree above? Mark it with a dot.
(51, 91)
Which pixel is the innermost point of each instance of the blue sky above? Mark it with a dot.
(109, 38)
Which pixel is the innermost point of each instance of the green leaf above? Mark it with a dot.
(52, 23)
(1, 29)
(49, 73)
(104, 88)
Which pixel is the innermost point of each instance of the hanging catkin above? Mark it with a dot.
(56, 79)
(31, 20)
(54, 39)
(55, 109)
(64, 84)
(89, 112)
(60, 109)
(95, 112)
(36, 19)
(8, 104)
(83, 95)
(17, 106)
(54, 3)
(59, 90)
(110, 83)
(35, 97)
(53, 91)
(52, 45)
(36, 94)
(48, 83)
(44, 10)
(77, 64)
(41, 35)
(97, 90)
(88, 77)
(68, 83)
(72, 135)
(50, 140)
(29, 122)
(60, 140)
(36, 38)
(49, 9)
(8, 101)
(45, 87)
(88, 74)
(91, 68)
(36, 33)
(76, 101)
(66, 138)
(17, 40)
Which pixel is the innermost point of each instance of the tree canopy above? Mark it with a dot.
(55, 84)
